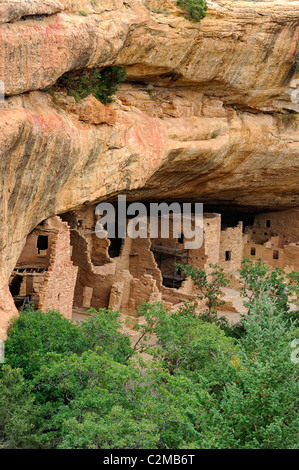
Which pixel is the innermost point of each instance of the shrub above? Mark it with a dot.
(90, 401)
(101, 84)
(256, 276)
(210, 291)
(102, 330)
(196, 9)
(259, 409)
(33, 334)
(17, 410)
(187, 344)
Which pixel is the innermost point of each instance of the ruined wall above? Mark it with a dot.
(274, 256)
(269, 224)
(29, 256)
(57, 291)
(231, 247)
(274, 238)
(212, 229)
(142, 260)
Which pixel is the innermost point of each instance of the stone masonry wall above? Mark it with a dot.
(57, 291)
(231, 246)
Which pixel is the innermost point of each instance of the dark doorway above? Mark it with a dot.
(115, 247)
(15, 285)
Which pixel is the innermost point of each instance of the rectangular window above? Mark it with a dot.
(275, 254)
(268, 223)
(42, 243)
(252, 251)
(228, 255)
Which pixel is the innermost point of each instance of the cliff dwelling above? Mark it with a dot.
(65, 266)
(44, 274)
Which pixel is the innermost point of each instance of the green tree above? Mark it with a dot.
(17, 410)
(259, 409)
(187, 344)
(257, 277)
(34, 333)
(90, 401)
(102, 329)
(85, 387)
(102, 84)
(196, 9)
(209, 288)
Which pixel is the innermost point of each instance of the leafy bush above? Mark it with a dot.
(101, 329)
(93, 402)
(17, 410)
(101, 84)
(209, 291)
(196, 9)
(185, 343)
(35, 334)
(83, 386)
(256, 277)
(260, 409)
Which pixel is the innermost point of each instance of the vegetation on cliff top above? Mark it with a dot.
(196, 9)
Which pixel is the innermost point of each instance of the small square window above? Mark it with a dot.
(252, 251)
(42, 243)
(275, 254)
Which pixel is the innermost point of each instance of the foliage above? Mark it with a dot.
(256, 277)
(17, 410)
(161, 11)
(102, 329)
(35, 334)
(209, 288)
(83, 386)
(185, 343)
(259, 409)
(84, 393)
(94, 402)
(101, 84)
(196, 9)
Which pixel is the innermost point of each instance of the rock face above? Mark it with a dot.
(201, 117)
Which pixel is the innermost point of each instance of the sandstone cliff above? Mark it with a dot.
(208, 111)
